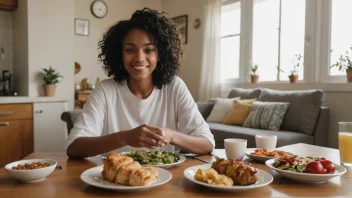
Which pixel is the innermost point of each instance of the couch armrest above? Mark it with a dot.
(70, 118)
(205, 108)
(321, 131)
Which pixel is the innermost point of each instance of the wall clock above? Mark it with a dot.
(99, 9)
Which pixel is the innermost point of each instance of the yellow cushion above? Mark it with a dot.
(239, 112)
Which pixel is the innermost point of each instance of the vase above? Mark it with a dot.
(349, 75)
(254, 78)
(49, 90)
(293, 79)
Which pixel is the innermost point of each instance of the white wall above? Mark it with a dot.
(50, 43)
(86, 47)
(43, 37)
(191, 68)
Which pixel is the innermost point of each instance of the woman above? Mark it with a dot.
(145, 104)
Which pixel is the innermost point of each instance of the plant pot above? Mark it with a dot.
(293, 79)
(49, 90)
(254, 78)
(349, 75)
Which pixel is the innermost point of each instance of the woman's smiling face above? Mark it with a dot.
(140, 55)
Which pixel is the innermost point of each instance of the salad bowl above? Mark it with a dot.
(306, 177)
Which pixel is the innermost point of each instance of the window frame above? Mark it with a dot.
(240, 79)
(326, 17)
(317, 44)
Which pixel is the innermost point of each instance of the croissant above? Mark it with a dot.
(124, 172)
(242, 173)
(121, 169)
(143, 176)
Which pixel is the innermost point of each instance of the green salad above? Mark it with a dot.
(293, 163)
(154, 158)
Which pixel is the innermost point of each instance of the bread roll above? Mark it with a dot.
(109, 162)
(111, 173)
(125, 171)
(144, 176)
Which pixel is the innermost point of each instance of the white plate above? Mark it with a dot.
(93, 177)
(264, 179)
(260, 158)
(165, 166)
(307, 177)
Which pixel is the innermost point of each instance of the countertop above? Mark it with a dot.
(29, 99)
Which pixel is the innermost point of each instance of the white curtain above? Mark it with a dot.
(210, 70)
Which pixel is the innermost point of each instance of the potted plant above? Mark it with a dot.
(294, 72)
(50, 78)
(254, 76)
(344, 63)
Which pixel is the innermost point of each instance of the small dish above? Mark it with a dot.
(93, 177)
(264, 179)
(261, 158)
(307, 177)
(32, 175)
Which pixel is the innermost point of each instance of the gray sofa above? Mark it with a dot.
(306, 120)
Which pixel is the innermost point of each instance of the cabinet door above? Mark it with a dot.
(50, 131)
(8, 4)
(16, 140)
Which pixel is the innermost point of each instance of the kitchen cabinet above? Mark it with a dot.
(16, 132)
(8, 5)
(50, 131)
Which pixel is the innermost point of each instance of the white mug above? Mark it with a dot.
(267, 142)
(235, 148)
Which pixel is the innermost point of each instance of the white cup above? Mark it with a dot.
(235, 148)
(267, 142)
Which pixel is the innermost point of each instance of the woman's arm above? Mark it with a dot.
(89, 146)
(142, 136)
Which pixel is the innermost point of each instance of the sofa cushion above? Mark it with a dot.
(239, 112)
(303, 111)
(244, 93)
(266, 115)
(222, 131)
(220, 110)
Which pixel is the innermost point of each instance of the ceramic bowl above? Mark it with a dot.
(33, 175)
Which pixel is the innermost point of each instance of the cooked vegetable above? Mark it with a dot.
(293, 163)
(154, 158)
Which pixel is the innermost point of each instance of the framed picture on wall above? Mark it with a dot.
(182, 23)
(82, 27)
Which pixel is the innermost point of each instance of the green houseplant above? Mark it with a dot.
(344, 63)
(50, 77)
(254, 76)
(294, 72)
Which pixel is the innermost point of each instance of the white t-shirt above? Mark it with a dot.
(111, 108)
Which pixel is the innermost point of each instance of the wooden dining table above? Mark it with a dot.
(66, 182)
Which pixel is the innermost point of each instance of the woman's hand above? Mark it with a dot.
(145, 136)
(165, 132)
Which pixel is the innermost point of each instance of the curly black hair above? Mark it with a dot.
(162, 32)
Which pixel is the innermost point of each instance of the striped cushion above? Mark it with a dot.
(266, 115)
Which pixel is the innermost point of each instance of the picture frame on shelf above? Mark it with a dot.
(82, 27)
(182, 23)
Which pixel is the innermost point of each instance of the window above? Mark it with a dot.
(278, 35)
(341, 31)
(230, 40)
(271, 33)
